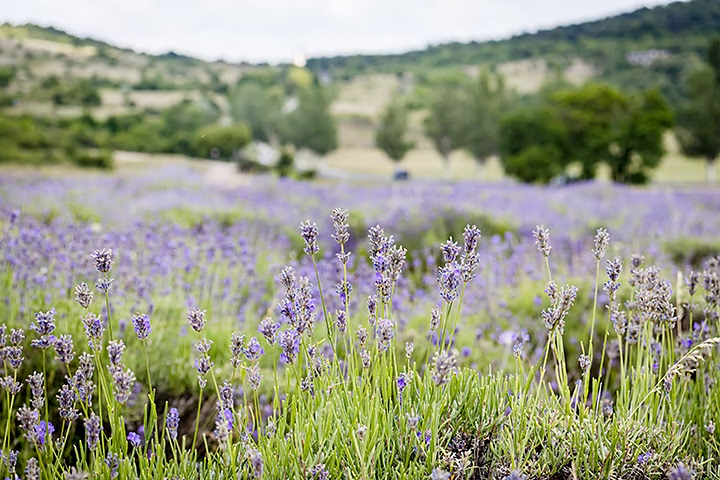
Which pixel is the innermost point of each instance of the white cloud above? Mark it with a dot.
(273, 30)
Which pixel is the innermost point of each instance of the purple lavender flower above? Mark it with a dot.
(341, 321)
(227, 399)
(103, 259)
(94, 330)
(113, 463)
(237, 347)
(450, 250)
(196, 317)
(92, 431)
(602, 240)
(439, 474)
(435, 318)
(134, 439)
(10, 385)
(66, 399)
(402, 381)
(172, 422)
(29, 420)
(644, 457)
(515, 475)
(372, 309)
(445, 366)
(561, 302)
(254, 350)
(64, 349)
(268, 328)
(115, 349)
(286, 277)
(141, 323)
(256, 462)
(32, 469)
(680, 472)
(471, 235)
(289, 341)
(384, 333)
(449, 278)
(104, 284)
(254, 376)
(319, 472)
(44, 432)
(203, 366)
(542, 240)
(309, 233)
(83, 295)
(123, 380)
(37, 382)
(44, 325)
(339, 218)
(361, 335)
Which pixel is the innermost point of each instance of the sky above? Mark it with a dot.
(276, 30)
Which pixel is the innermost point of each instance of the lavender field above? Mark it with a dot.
(156, 326)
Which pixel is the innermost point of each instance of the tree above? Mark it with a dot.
(257, 106)
(390, 133)
(487, 100)
(590, 115)
(699, 117)
(638, 146)
(532, 144)
(443, 123)
(310, 124)
(220, 141)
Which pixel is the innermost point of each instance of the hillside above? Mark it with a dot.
(678, 27)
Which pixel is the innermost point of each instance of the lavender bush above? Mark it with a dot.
(207, 351)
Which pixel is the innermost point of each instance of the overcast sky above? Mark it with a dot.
(275, 30)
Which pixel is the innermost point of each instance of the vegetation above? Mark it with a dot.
(587, 126)
(390, 134)
(220, 142)
(699, 116)
(310, 125)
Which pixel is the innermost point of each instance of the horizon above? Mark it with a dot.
(352, 27)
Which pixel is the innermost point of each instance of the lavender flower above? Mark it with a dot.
(32, 469)
(341, 321)
(36, 382)
(445, 366)
(680, 472)
(339, 218)
(372, 309)
(113, 463)
(602, 240)
(104, 284)
(10, 385)
(13, 355)
(449, 278)
(44, 431)
(83, 295)
(542, 240)
(115, 350)
(172, 421)
(584, 362)
(435, 318)
(237, 347)
(384, 333)
(360, 432)
(515, 475)
(254, 350)
(343, 290)
(309, 233)
(124, 380)
(203, 366)
(361, 335)
(64, 349)
(365, 358)
(17, 335)
(450, 250)
(692, 282)
(561, 301)
(254, 376)
(66, 399)
(289, 341)
(409, 347)
(92, 431)
(196, 317)
(29, 420)
(439, 474)
(44, 325)
(227, 399)
(319, 472)
(103, 259)
(94, 330)
(134, 439)
(269, 329)
(256, 462)
(141, 323)
(471, 235)
(287, 278)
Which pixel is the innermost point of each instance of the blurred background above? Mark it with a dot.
(539, 92)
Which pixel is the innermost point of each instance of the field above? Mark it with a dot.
(206, 357)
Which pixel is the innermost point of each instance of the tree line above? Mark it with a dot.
(565, 128)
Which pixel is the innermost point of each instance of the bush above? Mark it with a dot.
(220, 142)
(102, 159)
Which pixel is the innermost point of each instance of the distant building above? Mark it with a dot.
(646, 58)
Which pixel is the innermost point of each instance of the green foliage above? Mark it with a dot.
(532, 144)
(588, 126)
(222, 142)
(285, 163)
(443, 125)
(391, 131)
(101, 159)
(7, 74)
(310, 125)
(258, 107)
(691, 251)
(699, 115)
(83, 92)
(487, 102)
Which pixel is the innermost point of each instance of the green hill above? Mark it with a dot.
(679, 30)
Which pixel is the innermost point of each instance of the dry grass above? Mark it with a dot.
(365, 95)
